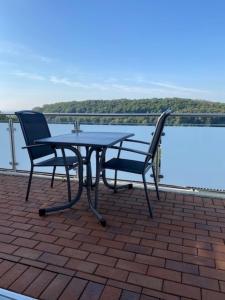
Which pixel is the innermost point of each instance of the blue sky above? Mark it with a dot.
(63, 50)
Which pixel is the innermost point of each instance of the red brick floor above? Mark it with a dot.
(179, 254)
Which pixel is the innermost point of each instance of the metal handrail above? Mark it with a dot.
(126, 114)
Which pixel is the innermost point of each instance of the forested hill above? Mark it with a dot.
(177, 105)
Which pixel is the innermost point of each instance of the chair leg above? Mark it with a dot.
(92, 184)
(29, 182)
(68, 183)
(53, 176)
(146, 194)
(112, 186)
(115, 181)
(156, 184)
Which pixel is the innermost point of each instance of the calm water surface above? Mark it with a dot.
(190, 156)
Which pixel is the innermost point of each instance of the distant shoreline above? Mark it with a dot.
(153, 105)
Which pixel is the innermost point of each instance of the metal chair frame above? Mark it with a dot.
(28, 120)
(116, 164)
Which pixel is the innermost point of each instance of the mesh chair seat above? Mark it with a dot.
(125, 165)
(58, 162)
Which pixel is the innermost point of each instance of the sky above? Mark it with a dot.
(64, 50)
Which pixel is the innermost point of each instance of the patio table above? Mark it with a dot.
(92, 141)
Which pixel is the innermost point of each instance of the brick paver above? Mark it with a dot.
(179, 254)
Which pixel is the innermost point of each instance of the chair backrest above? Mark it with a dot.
(157, 134)
(34, 126)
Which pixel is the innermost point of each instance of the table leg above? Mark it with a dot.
(73, 201)
(97, 178)
(89, 181)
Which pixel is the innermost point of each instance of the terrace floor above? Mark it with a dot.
(180, 254)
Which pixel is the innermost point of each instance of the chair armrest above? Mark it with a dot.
(131, 150)
(136, 141)
(33, 146)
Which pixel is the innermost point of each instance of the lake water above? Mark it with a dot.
(190, 156)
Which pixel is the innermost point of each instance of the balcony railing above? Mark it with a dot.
(189, 157)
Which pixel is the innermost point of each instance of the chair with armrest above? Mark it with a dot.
(34, 126)
(135, 166)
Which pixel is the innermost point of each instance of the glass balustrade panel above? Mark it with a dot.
(5, 157)
(189, 156)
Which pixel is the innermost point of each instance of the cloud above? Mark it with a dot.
(132, 88)
(42, 58)
(141, 87)
(93, 85)
(68, 82)
(77, 84)
(6, 63)
(15, 49)
(30, 76)
(117, 88)
(176, 87)
(169, 86)
(99, 86)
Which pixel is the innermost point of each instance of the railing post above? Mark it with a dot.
(76, 128)
(11, 130)
(157, 162)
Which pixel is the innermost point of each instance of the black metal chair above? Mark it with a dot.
(34, 126)
(134, 166)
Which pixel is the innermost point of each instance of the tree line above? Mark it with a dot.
(154, 105)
